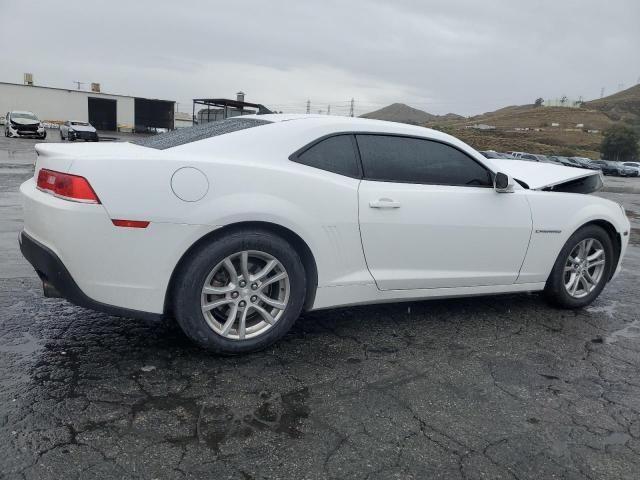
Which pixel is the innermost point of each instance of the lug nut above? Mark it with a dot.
(243, 283)
(254, 298)
(254, 286)
(234, 295)
(242, 303)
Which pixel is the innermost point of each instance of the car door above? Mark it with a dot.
(429, 217)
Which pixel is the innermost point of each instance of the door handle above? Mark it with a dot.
(384, 203)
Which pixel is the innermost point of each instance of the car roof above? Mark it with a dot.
(22, 111)
(338, 123)
(294, 131)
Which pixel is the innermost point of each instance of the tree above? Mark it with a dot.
(620, 143)
(539, 101)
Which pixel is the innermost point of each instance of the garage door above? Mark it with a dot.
(103, 113)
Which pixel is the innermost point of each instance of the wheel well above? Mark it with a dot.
(308, 260)
(615, 239)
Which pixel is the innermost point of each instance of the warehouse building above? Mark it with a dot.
(104, 111)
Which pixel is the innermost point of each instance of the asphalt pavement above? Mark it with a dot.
(488, 387)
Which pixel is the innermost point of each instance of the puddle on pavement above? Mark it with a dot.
(608, 310)
(25, 348)
(631, 331)
(617, 438)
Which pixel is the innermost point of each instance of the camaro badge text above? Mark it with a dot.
(548, 231)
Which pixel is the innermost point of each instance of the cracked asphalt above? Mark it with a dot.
(489, 387)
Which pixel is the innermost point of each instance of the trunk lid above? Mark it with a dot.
(61, 156)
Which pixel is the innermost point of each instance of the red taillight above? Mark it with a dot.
(69, 187)
(130, 223)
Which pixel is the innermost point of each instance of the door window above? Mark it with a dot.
(412, 160)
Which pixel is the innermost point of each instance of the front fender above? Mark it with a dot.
(556, 216)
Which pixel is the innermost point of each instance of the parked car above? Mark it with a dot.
(612, 168)
(564, 161)
(585, 162)
(23, 124)
(235, 227)
(635, 166)
(76, 130)
(492, 154)
(532, 157)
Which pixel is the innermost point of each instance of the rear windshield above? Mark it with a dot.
(183, 136)
(81, 124)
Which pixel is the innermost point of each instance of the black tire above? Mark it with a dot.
(195, 269)
(555, 290)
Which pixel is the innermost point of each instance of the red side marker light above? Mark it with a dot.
(130, 223)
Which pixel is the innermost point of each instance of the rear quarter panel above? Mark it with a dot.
(250, 179)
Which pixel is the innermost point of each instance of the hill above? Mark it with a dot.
(529, 116)
(622, 106)
(546, 130)
(399, 112)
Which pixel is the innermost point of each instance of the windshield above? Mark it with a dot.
(24, 115)
(82, 124)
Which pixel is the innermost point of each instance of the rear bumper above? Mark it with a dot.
(127, 268)
(53, 273)
(84, 135)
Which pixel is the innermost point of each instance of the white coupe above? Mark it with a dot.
(235, 227)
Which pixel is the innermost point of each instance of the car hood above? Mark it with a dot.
(537, 175)
(82, 128)
(25, 121)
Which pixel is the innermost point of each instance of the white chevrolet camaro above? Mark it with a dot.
(235, 227)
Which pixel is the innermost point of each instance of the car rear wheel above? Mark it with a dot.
(582, 269)
(240, 293)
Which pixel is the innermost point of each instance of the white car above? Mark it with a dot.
(235, 227)
(76, 130)
(23, 124)
(634, 167)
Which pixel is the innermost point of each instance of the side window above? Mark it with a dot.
(333, 154)
(412, 160)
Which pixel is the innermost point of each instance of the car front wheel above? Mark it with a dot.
(582, 269)
(240, 293)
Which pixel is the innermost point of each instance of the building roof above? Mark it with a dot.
(225, 102)
(72, 90)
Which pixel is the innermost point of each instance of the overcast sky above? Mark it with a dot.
(462, 56)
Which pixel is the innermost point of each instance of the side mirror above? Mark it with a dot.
(503, 183)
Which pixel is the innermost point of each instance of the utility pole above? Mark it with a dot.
(78, 83)
(351, 108)
(308, 107)
(328, 109)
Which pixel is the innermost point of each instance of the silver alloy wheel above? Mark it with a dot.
(584, 268)
(245, 295)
